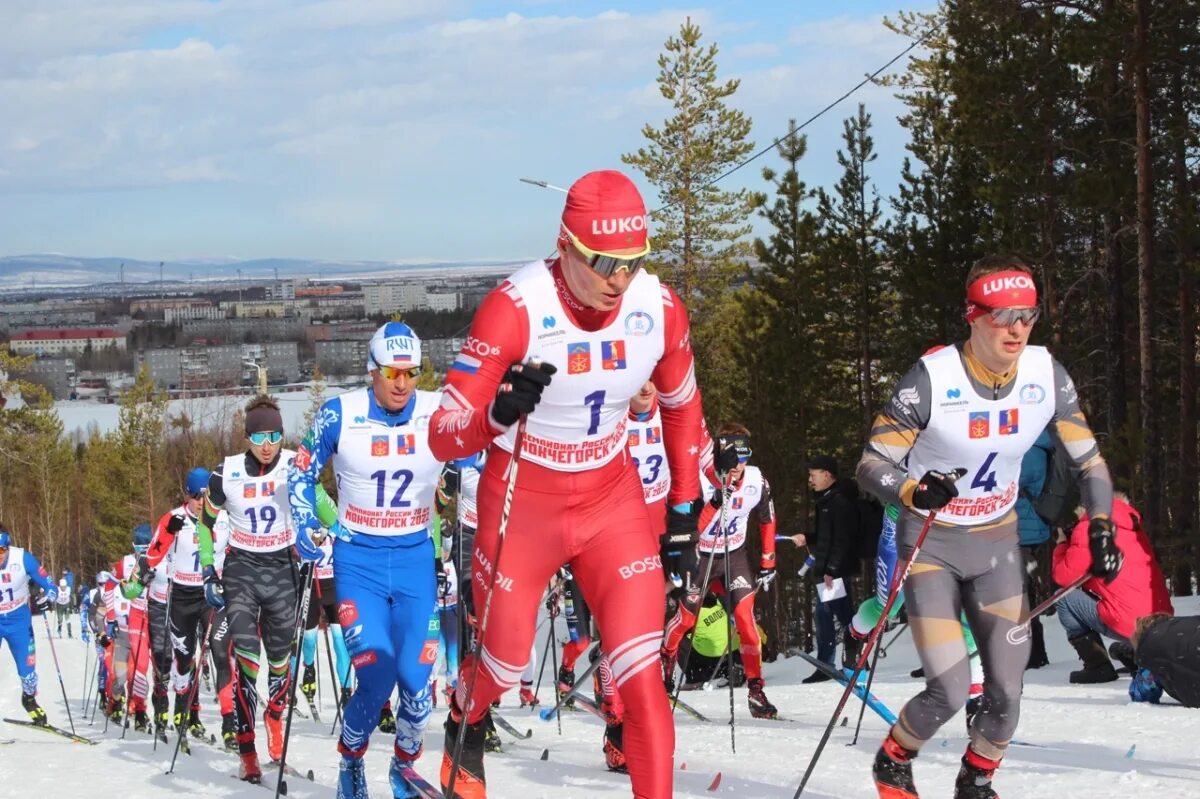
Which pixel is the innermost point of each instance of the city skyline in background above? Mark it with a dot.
(382, 132)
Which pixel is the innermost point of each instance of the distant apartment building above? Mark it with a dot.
(331, 331)
(263, 328)
(441, 352)
(388, 298)
(441, 300)
(13, 319)
(221, 366)
(57, 375)
(340, 357)
(281, 290)
(152, 306)
(250, 309)
(174, 316)
(60, 340)
(342, 306)
(318, 291)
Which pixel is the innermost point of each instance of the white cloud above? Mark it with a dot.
(406, 103)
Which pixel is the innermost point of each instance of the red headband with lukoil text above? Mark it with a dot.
(1000, 290)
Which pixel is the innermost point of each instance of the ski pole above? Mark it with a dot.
(502, 528)
(899, 633)
(193, 687)
(333, 677)
(866, 693)
(86, 668)
(301, 620)
(58, 671)
(554, 664)
(1053, 598)
(901, 575)
(729, 643)
(703, 587)
(550, 608)
(548, 713)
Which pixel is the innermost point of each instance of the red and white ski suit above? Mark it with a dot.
(578, 498)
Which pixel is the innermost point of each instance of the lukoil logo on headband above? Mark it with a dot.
(624, 224)
(1007, 284)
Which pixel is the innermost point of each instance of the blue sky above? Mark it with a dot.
(380, 129)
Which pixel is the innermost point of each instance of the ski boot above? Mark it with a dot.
(528, 697)
(614, 748)
(229, 732)
(667, 661)
(116, 709)
(975, 777)
(400, 787)
(141, 722)
(308, 685)
(273, 722)
(566, 685)
(760, 706)
(893, 771)
(387, 721)
(352, 778)
(36, 714)
(248, 769)
(491, 738)
(470, 783)
(195, 726)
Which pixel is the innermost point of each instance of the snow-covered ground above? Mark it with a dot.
(1085, 743)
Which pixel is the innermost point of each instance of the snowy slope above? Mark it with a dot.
(1084, 738)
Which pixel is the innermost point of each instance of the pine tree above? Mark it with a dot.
(699, 246)
(863, 292)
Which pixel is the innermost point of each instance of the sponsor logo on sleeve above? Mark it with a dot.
(303, 458)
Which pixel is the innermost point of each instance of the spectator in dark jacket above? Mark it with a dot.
(831, 544)
(1105, 609)
(1170, 649)
(1034, 532)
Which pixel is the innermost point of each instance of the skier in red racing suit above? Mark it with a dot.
(569, 342)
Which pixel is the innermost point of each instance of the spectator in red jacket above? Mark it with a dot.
(1108, 609)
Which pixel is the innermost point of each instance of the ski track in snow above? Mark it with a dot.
(1084, 736)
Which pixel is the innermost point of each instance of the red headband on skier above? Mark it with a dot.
(1011, 289)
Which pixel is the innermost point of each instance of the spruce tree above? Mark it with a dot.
(698, 239)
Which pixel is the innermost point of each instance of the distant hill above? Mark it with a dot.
(51, 270)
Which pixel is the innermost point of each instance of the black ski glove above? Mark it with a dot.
(681, 534)
(936, 489)
(521, 391)
(175, 524)
(145, 571)
(728, 453)
(1106, 557)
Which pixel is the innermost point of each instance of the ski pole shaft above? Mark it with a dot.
(193, 686)
(333, 676)
(301, 620)
(502, 528)
(897, 583)
(554, 663)
(729, 643)
(58, 671)
(1053, 598)
(548, 713)
(703, 587)
(895, 637)
(867, 693)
